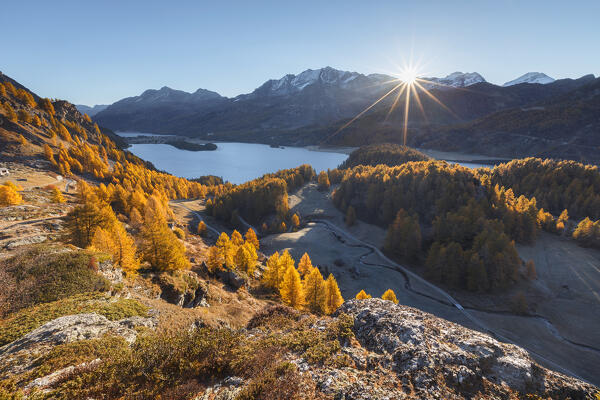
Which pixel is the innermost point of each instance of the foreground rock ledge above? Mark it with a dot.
(422, 349)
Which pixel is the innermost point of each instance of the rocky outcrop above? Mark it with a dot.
(232, 278)
(425, 350)
(183, 288)
(72, 328)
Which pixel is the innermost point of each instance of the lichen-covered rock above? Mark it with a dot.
(424, 350)
(109, 271)
(72, 328)
(228, 389)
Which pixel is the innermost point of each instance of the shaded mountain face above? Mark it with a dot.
(563, 126)
(156, 110)
(461, 107)
(312, 97)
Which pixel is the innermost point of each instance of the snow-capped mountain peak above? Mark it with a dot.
(456, 79)
(294, 83)
(531, 77)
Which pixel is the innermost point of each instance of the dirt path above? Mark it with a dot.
(196, 214)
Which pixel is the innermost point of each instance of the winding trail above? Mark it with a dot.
(197, 215)
(449, 300)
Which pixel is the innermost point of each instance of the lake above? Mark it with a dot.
(234, 162)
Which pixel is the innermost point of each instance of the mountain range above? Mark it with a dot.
(310, 107)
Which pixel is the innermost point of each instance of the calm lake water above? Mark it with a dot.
(237, 162)
(234, 162)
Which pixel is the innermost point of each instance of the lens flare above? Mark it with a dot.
(408, 83)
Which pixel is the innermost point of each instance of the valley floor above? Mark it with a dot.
(561, 331)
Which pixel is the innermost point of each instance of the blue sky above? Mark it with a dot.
(93, 52)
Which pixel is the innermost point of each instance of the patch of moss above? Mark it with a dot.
(43, 274)
(26, 320)
(75, 353)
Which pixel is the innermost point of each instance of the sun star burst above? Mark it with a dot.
(408, 83)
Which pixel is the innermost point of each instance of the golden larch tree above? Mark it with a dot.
(49, 154)
(305, 265)
(248, 258)
(236, 238)
(389, 295)
(323, 181)
(57, 196)
(285, 261)
(333, 296)
(314, 291)
(295, 221)
(103, 241)
(125, 254)
(227, 250)
(201, 229)
(119, 245)
(214, 259)
(252, 238)
(10, 113)
(9, 196)
(271, 275)
(362, 295)
(291, 290)
(135, 218)
(160, 247)
(83, 220)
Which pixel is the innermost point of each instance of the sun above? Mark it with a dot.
(409, 75)
(407, 83)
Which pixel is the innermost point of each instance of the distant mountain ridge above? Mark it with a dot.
(310, 107)
(310, 98)
(531, 77)
(458, 79)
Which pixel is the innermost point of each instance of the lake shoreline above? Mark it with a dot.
(472, 160)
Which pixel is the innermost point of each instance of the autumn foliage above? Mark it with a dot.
(302, 287)
(9, 195)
